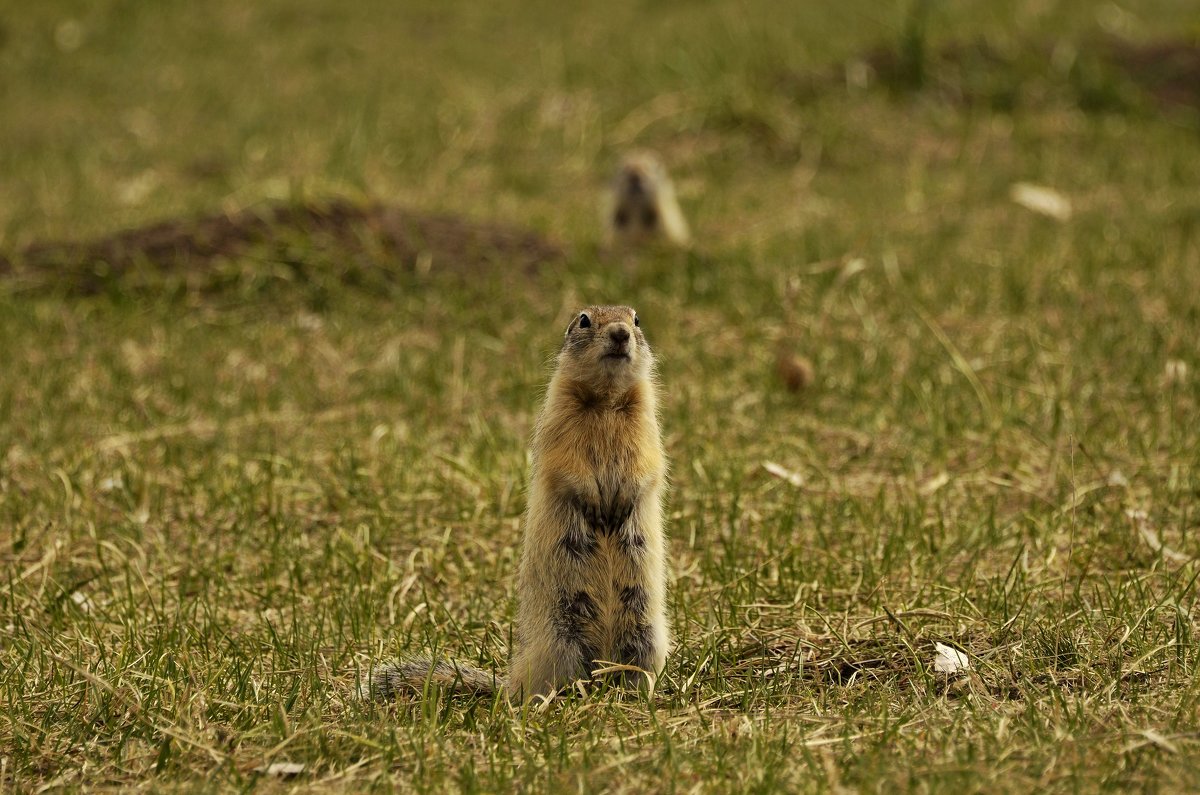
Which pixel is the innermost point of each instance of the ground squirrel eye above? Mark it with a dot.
(584, 320)
(636, 321)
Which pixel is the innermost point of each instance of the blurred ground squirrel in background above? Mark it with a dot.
(795, 371)
(591, 589)
(641, 206)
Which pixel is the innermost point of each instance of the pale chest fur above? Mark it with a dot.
(600, 453)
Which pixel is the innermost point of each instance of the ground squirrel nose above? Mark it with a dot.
(619, 334)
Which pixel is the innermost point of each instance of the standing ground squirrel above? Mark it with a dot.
(591, 588)
(642, 207)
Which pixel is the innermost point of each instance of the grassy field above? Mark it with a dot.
(229, 485)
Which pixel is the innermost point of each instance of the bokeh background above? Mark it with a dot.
(280, 283)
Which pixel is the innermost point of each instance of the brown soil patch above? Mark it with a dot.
(1167, 70)
(386, 238)
(1105, 73)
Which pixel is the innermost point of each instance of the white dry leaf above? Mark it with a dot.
(1161, 741)
(1117, 478)
(949, 660)
(69, 35)
(283, 769)
(1042, 200)
(853, 267)
(859, 74)
(933, 485)
(82, 601)
(1176, 371)
(1141, 520)
(307, 321)
(783, 473)
(136, 190)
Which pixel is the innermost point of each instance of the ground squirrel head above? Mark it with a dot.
(604, 350)
(643, 207)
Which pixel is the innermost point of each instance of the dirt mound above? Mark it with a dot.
(1103, 74)
(1167, 70)
(380, 236)
(1098, 73)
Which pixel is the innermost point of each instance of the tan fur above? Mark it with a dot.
(598, 445)
(592, 582)
(642, 207)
